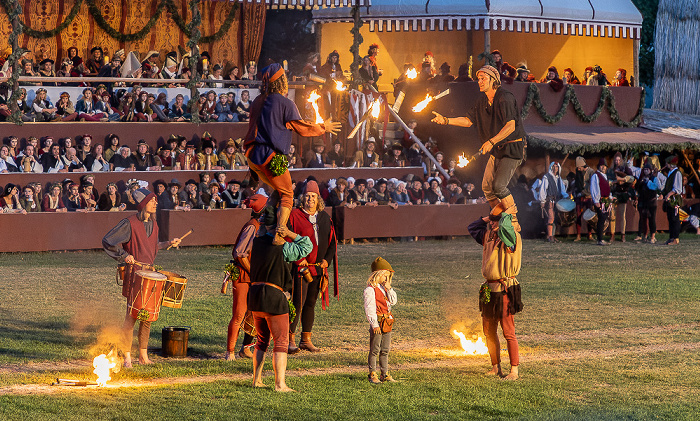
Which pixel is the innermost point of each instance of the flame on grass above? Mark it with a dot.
(421, 105)
(412, 73)
(339, 86)
(463, 161)
(313, 99)
(477, 347)
(103, 363)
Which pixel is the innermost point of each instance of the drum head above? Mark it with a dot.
(589, 214)
(151, 275)
(566, 205)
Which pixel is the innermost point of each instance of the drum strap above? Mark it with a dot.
(269, 284)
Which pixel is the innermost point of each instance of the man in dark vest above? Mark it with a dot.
(673, 199)
(600, 194)
(268, 296)
(134, 242)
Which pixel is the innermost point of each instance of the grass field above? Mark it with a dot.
(606, 333)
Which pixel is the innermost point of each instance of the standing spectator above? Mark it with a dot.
(123, 161)
(673, 199)
(310, 221)
(28, 201)
(232, 195)
(368, 73)
(243, 106)
(506, 71)
(552, 189)
(581, 192)
(143, 158)
(83, 148)
(647, 187)
(600, 194)
(52, 200)
(204, 180)
(621, 187)
(47, 142)
(293, 157)
(110, 200)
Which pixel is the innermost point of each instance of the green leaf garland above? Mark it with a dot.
(279, 164)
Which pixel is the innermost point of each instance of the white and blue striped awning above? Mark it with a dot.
(306, 3)
(598, 18)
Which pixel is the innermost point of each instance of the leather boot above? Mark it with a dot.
(292, 347)
(306, 344)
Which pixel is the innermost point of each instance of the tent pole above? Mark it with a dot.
(487, 42)
(635, 53)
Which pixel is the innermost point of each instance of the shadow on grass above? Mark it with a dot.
(50, 338)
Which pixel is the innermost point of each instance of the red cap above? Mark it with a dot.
(311, 187)
(256, 202)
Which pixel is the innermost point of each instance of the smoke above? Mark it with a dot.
(109, 339)
(471, 328)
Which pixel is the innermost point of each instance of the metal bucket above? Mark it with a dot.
(175, 341)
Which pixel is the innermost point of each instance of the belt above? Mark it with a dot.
(269, 284)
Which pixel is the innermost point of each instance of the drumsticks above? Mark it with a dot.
(181, 238)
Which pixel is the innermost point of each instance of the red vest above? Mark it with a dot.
(142, 247)
(603, 184)
(382, 306)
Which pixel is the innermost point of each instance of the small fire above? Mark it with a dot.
(376, 107)
(339, 86)
(313, 98)
(102, 366)
(421, 105)
(463, 161)
(411, 73)
(477, 347)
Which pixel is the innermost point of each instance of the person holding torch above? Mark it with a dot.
(500, 128)
(273, 117)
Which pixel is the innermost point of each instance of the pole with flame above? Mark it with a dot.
(410, 75)
(428, 99)
(313, 99)
(463, 161)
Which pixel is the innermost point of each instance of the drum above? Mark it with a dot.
(145, 295)
(174, 289)
(589, 214)
(566, 205)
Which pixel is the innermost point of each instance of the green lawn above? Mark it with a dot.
(606, 333)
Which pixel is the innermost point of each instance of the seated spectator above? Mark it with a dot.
(434, 194)
(84, 146)
(25, 110)
(454, 192)
(9, 201)
(113, 148)
(215, 75)
(339, 196)
(110, 200)
(209, 107)
(292, 157)
(86, 109)
(158, 113)
(47, 142)
(316, 158)
(128, 197)
(65, 71)
(463, 74)
(227, 157)
(243, 106)
(46, 69)
(28, 202)
(400, 194)
(4, 98)
(188, 160)
(416, 194)
(234, 74)
(123, 161)
(104, 105)
(71, 161)
(524, 74)
(204, 180)
(620, 78)
(170, 199)
(367, 157)
(201, 106)
(142, 112)
(191, 196)
(72, 199)
(223, 110)
(111, 69)
(213, 199)
(28, 161)
(66, 143)
(597, 77)
(52, 161)
(569, 77)
(506, 71)
(381, 195)
(95, 161)
(207, 159)
(28, 70)
(127, 108)
(88, 200)
(95, 62)
(65, 109)
(160, 188)
(178, 111)
(359, 195)
(220, 178)
(587, 73)
(166, 157)
(233, 196)
(552, 78)
(336, 157)
(444, 76)
(251, 71)
(43, 108)
(144, 160)
(52, 200)
(395, 158)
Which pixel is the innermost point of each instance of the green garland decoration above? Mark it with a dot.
(279, 164)
(6, 4)
(134, 36)
(143, 315)
(233, 271)
(585, 148)
(14, 13)
(606, 97)
(192, 45)
(357, 40)
(184, 27)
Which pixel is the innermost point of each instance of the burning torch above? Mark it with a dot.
(410, 75)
